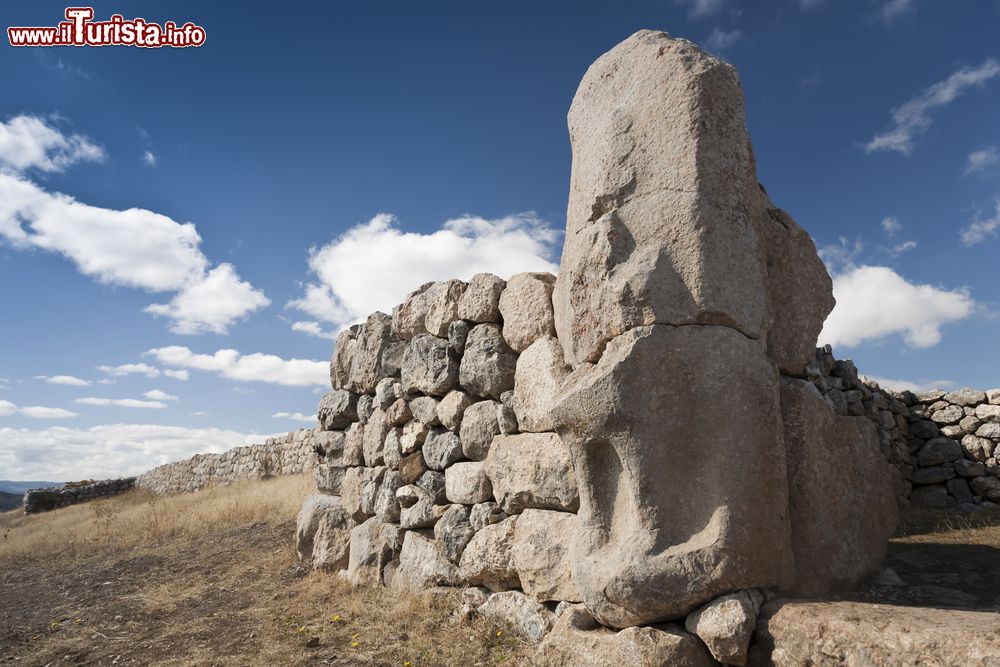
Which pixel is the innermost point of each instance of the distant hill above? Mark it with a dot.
(10, 501)
(11, 486)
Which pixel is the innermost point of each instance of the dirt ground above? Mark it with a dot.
(229, 596)
(235, 595)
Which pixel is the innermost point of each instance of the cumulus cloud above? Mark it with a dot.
(874, 302)
(255, 367)
(701, 8)
(34, 411)
(134, 248)
(720, 40)
(157, 395)
(211, 304)
(907, 385)
(313, 329)
(914, 117)
(112, 450)
(68, 380)
(982, 228)
(295, 416)
(29, 142)
(130, 369)
(177, 374)
(393, 262)
(121, 403)
(981, 160)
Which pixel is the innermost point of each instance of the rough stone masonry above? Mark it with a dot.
(623, 461)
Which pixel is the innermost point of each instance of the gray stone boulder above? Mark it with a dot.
(841, 501)
(408, 317)
(373, 545)
(488, 559)
(451, 408)
(479, 426)
(467, 483)
(422, 564)
(429, 366)
(441, 449)
(366, 359)
(726, 625)
(340, 361)
(481, 300)
(526, 306)
(354, 445)
(323, 532)
(442, 301)
(453, 532)
(539, 375)
(488, 364)
(527, 617)
(337, 409)
(541, 554)
(532, 471)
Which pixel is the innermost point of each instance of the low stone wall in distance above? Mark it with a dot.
(71, 493)
(289, 454)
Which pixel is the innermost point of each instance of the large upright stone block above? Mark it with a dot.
(659, 226)
(676, 441)
(366, 361)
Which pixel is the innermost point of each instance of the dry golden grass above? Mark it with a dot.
(139, 517)
(211, 578)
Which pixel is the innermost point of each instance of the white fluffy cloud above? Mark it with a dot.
(720, 40)
(68, 380)
(130, 369)
(914, 117)
(29, 142)
(112, 450)
(256, 367)
(908, 385)
(313, 329)
(981, 160)
(982, 228)
(374, 265)
(34, 411)
(121, 403)
(295, 416)
(874, 302)
(134, 248)
(211, 304)
(157, 395)
(177, 374)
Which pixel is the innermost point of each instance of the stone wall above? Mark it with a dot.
(54, 497)
(286, 455)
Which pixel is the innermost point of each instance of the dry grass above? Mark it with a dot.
(210, 578)
(139, 517)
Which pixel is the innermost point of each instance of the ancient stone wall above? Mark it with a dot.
(286, 455)
(54, 497)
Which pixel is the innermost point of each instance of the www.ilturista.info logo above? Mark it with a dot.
(81, 30)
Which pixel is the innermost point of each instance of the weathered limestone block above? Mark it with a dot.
(676, 441)
(467, 483)
(799, 290)
(488, 364)
(966, 397)
(442, 301)
(532, 470)
(340, 361)
(577, 639)
(453, 532)
(398, 413)
(422, 564)
(354, 445)
(841, 501)
(526, 306)
(488, 559)
(663, 193)
(441, 449)
(323, 532)
(359, 491)
(408, 317)
(412, 467)
(526, 616)
(458, 333)
(424, 409)
(386, 505)
(726, 625)
(479, 426)
(792, 633)
(481, 300)
(373, 438)
(486, 514)
(366, 362)
(413, 436)
(373, 545)
(451, 408)
(329, 478)
(540, 373)
(337, 409)
(429, 366)
(541, 554)
(392, 453)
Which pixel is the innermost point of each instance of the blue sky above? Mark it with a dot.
(407, 141)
